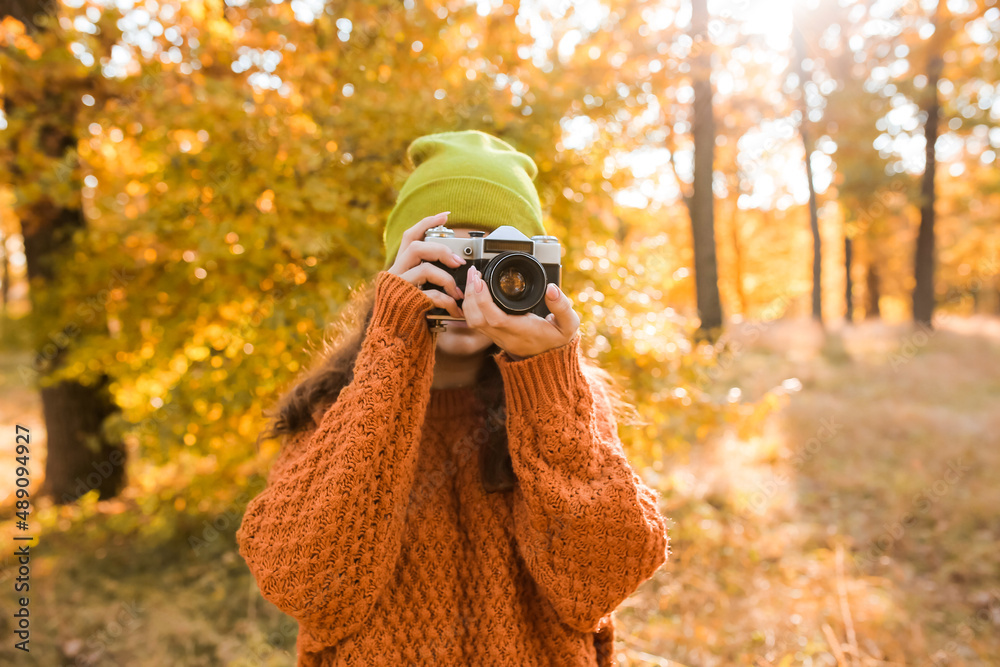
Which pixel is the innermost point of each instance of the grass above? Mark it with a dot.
(859, 529)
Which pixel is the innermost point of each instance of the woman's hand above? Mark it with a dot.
(520, 335)
(411, 264)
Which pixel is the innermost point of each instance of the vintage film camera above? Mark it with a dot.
(515, 268)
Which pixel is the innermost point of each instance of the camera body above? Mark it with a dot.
(515, 268)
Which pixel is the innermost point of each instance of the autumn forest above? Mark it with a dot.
(779, 222)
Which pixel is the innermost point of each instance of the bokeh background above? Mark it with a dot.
(780, 222)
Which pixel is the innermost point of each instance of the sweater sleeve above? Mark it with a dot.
(588, 528)
(323, 537)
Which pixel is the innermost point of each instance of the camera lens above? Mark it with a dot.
(512, 283)
(516, 281)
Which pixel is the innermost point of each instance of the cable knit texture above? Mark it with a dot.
(375, 534)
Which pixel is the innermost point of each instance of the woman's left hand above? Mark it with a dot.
(519, 336)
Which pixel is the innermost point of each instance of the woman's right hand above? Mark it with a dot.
(412, 264)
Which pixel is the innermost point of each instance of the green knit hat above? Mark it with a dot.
(484, 181)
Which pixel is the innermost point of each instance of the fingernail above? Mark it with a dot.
(552, 291)
(457, 258)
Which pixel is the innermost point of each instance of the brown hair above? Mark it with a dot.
(318, 387)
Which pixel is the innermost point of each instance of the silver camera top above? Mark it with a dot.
(546, 249)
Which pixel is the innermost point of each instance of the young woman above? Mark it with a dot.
(456, 498)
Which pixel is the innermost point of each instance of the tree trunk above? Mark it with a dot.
(4, 273)
(80, 458)
(987, 299)
(923, 290)
(79, 455)
(706, 273)
(849, 288)
(872, 284)
(817, 259)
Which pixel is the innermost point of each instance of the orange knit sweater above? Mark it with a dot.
(375, 534)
